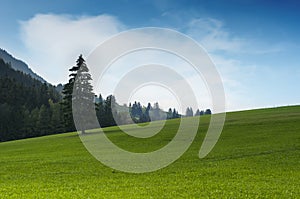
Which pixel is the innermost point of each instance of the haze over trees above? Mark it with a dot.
(19, 65)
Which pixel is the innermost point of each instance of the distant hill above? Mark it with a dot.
(18, 65)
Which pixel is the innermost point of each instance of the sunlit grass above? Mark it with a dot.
(257, 156)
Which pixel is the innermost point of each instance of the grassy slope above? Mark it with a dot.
(258, 155)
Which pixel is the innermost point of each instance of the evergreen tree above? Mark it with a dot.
(26, 123)
(170, 114)
(83, 91)
(175, 113)
(100, 110)
(147, 113)
(67, 100)
(83, 100)
(156, 111)
(201, 112)
(207, 112)
(139, 110)
(43, 123)
(197, 112)
(189, 112)
(5, 122)
(56, 118)
(34, 117)
(109, 107)
(134, 111)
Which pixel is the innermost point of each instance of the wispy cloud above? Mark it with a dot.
(236, 77)
(214, 36)
(54, 41)
(240, 76)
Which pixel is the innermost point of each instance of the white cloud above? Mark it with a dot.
(54, 42)
(211, 34)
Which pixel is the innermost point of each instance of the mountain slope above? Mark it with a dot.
(26, 103)
(19, 65)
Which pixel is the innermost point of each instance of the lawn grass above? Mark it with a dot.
(257, 156)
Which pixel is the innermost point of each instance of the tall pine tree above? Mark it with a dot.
(79, 84)
(67, 99)
(83, 97)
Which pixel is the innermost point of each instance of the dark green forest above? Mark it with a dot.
(30, 108)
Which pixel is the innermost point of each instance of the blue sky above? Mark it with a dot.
(255, 44)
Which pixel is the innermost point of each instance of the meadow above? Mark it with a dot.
(257, 156)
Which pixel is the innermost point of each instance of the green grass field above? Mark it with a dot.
(257, 156)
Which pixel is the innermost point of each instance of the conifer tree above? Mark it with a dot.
(83, 96)
(79, 84)
(67, 99)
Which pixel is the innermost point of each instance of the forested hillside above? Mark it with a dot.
(18, 65)
(28, 106)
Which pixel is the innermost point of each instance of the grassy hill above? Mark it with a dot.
(257, 156)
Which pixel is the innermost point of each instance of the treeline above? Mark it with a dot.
(109, 112)
(30, 108)
(190, 113)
